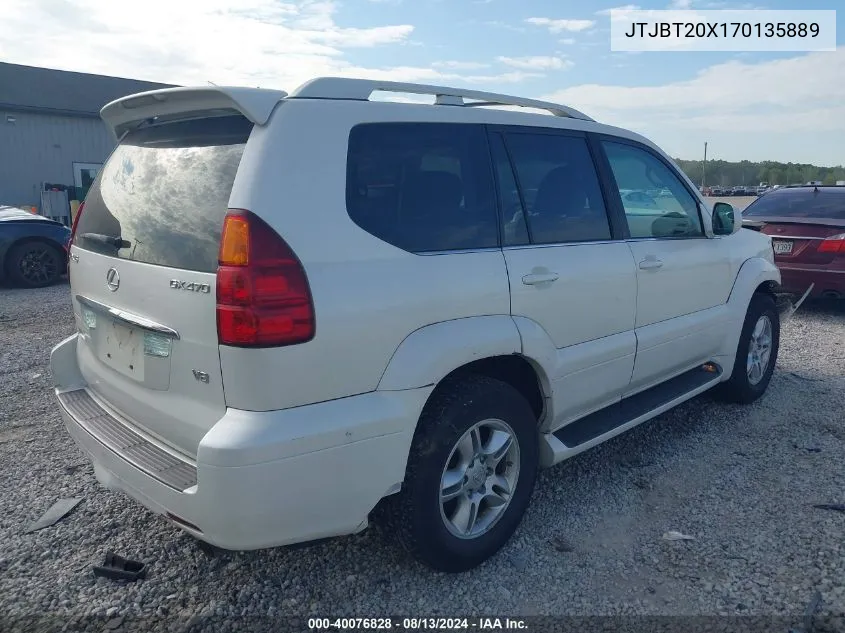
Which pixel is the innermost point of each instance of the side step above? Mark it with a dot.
(621, 416)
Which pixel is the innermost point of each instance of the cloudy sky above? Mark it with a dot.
(756, 106)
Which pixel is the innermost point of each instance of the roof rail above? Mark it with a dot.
(362, 90)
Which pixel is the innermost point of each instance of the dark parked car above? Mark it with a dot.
(33, 249)
(807, 226)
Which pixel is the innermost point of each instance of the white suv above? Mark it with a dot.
(293, 307)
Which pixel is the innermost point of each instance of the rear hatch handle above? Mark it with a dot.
(128, 318)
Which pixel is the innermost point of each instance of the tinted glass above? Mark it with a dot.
(514, 229)
(656, 202)
(560, 188)
(827, 202)
(422, 187)
(165, 192)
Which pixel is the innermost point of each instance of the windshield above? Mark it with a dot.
(826, 202)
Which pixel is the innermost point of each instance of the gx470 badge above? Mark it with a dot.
(177, 284)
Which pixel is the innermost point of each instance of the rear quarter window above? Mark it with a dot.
(422, 187)
(165, 191)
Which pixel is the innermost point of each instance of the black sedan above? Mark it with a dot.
(33, 249)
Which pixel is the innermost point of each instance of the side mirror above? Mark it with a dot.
(725, 221)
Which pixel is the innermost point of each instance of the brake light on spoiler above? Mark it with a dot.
(263, 296)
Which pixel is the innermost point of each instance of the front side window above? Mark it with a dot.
(422, 187)
(656, 203)
(560, 188)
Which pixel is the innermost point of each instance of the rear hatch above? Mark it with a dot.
(805, 224)
(145, 254)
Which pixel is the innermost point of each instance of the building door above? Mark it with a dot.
(83, 176)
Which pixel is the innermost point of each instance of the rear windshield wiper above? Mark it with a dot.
(114, 241)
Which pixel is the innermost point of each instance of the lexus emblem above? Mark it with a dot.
(113, 279)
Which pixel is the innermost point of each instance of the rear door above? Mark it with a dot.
(143, 266)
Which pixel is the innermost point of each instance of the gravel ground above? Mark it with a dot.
(741, 480)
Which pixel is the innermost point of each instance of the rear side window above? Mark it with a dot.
(560, 188)
(827, 203)
(164, 191)
(514, 226)
(422, 187)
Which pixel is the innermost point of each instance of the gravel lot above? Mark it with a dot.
(742, 481)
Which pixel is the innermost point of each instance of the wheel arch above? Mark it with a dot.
(756, 276)
(486, 345)
(514, 369)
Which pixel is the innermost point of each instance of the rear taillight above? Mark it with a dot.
(74, 224)
(263, 296)
(833, 244)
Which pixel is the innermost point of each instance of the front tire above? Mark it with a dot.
(471, 471)
(756, 353)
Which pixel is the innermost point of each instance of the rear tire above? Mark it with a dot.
(34, 264)
(476, 438)
(756, 354)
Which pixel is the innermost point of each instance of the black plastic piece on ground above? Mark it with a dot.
(118, 568)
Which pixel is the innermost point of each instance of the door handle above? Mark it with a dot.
(539, 278)
(650, 264)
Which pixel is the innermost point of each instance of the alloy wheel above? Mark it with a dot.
(479, 479)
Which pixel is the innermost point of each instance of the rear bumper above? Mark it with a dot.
(797, 280)
(260, 479)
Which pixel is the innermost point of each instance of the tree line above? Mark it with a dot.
(728, 174)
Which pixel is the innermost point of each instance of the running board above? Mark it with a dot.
(617, 418)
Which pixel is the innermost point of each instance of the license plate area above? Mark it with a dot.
(137, 353)
(782, 247)
(122, 349)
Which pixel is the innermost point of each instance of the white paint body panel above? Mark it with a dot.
(680, 305)
(167, 401)
(588, 321)
(273, 478)
(275, 432)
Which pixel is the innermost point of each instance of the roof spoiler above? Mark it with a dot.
(256, 104)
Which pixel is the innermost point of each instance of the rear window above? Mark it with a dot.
(828, 203)
(422, 187)
(164, 191)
